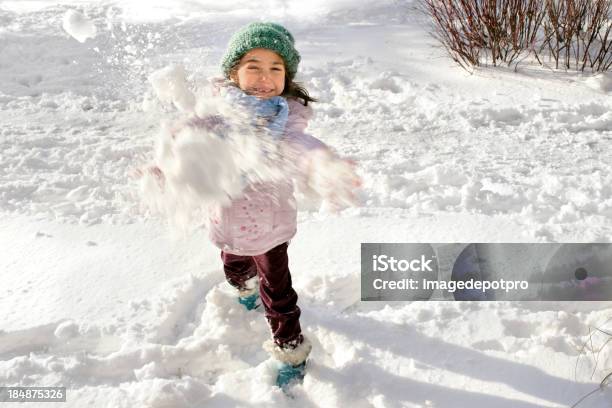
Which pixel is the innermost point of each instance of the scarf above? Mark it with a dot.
(268, 114)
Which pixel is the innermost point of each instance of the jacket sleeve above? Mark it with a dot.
(301, 147)
(318, 169)
(296, 137)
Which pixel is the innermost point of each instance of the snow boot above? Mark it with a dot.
(289, 374)
(249, 299)
(291, 361)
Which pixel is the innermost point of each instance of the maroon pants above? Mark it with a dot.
(277, 294)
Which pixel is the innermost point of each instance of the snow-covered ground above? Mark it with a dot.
(100, 298)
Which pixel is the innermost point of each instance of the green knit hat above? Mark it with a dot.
(271, 36)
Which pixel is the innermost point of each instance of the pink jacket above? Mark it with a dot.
(266, 214)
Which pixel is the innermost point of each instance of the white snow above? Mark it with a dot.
(78, 26)
(96, 296)
(601, 82)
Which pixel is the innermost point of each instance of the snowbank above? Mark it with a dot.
(96, 297)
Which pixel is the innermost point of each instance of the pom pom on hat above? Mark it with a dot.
(271, 36)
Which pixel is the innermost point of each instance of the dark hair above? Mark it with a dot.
(292, 89)
(296, 91)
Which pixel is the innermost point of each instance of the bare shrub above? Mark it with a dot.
(499, 30)
(512, 26)
(578, 33)
(572, 33)
(592, 349)
(457, 27)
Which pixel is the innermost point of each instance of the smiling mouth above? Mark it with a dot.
(260, 91)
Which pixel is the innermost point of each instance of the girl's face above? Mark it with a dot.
(260, 73)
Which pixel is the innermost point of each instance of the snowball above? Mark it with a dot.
(170, 85)
(199, 161)
(205, 159)
(78, 26)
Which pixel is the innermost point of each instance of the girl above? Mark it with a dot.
(254, 230)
